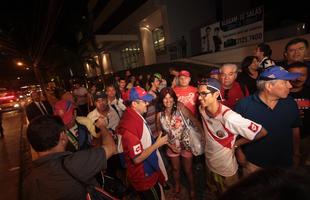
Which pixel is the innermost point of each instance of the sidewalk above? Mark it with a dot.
(10, 155)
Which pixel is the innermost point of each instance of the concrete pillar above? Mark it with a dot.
(106, 63)
(147, 46)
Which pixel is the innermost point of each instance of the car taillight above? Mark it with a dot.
(7, 97)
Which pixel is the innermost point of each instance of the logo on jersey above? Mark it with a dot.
(253, 127)
(190, 98)
(220, 134)
(137, 149)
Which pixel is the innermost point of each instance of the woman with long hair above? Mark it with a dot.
(249, 73)
(170, 120)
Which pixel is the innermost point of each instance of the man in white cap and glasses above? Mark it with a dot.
(222, 126)
(278, 113)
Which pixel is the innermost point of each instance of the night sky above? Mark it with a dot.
(28, 28)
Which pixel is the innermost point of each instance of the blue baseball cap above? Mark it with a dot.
(277, 73)
(138, 93)
(211, 83)
(215, 71)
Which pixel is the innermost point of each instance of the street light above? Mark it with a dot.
(20, 63)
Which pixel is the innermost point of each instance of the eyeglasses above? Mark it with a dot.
(203, 94)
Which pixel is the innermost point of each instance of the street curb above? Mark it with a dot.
(25, 155)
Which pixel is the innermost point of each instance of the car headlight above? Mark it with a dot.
(16, 105)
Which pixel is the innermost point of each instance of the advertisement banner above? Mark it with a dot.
(242, 30)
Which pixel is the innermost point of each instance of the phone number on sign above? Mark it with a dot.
(249, 38)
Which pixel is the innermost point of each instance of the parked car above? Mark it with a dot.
(9, 101)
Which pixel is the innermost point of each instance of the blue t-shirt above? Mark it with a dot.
(276, 149)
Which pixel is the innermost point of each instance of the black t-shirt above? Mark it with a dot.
(49, 181)
(248, 81)
(302, 99)
(275, 149)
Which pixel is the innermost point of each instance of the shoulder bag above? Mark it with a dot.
(197, 147)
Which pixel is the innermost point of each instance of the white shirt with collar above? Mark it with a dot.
(112, 118)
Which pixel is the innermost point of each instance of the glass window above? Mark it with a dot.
(130, 56)
(159, 40)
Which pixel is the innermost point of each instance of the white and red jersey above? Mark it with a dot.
(188, 96)
(221, 131)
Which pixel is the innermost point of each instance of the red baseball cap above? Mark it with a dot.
(184, 73)
(65, 110)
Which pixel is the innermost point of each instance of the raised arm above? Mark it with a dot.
(107, 141)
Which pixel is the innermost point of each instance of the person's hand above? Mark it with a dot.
(161, 140)
(240, 157)
(101, 122)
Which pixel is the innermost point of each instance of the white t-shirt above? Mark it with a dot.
(112, 120)
(221, 132)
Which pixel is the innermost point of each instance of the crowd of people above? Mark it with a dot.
(136, 130)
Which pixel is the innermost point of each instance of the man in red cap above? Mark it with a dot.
(186, 94)
(144, 164)
(78, 134)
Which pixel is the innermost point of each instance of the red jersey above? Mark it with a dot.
(136, 137)
(234, 94)
(188, 96)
